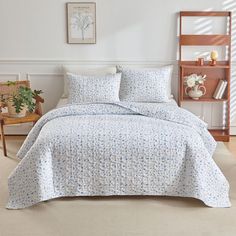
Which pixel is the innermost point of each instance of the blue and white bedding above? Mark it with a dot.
(118, 149)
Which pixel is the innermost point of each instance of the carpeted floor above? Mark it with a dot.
(136, 216)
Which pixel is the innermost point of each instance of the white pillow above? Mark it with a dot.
(92, 89)
(62, 102)
(146, 84)
(85, 70)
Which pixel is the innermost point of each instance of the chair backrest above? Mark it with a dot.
(6, 89)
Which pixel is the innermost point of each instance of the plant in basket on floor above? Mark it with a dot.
(21, 100)
(195, 86)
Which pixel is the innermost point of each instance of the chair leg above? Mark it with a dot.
(3, 141)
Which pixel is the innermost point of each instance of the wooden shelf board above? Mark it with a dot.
(220, 134)
(214, 79)
(193, 64)
(207, 40)
(203, 100)
(205, 13)
(206, 66)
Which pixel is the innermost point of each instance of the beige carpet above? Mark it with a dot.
(159, 216)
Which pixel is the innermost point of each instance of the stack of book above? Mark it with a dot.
(220, 89)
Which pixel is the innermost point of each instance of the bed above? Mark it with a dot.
(117, 148)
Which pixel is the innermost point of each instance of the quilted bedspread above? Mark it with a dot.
(117, 149)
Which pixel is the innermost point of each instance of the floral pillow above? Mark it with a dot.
(85, 70)
(92, 89)
(145, 84)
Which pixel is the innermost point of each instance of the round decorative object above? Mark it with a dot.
(195, 92)
(214, 55)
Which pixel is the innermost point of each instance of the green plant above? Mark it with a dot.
(22, 96)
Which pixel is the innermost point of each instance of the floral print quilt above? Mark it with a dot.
(119, 148)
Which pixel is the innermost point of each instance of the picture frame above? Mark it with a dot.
(81, 22)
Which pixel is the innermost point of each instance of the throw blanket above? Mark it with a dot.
(117, 149)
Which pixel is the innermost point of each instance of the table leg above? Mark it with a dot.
(3, 141)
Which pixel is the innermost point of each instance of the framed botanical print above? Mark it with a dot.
(81, 22)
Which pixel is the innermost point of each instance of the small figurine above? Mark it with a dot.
(214, 57)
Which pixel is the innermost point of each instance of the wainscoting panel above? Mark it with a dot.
(196, 109)
(211, 113)
(9, 77)
(218, 114)
(52, 86)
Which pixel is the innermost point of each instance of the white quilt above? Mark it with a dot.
(118, 149)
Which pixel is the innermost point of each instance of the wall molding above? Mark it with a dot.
(89, 62)
(28, 75)
(18, 75)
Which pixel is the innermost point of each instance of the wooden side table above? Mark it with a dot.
(6, 120)
(5, 89)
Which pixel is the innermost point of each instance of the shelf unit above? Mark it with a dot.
(214, 73)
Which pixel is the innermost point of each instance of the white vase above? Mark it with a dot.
(12, 110)
(195, 92)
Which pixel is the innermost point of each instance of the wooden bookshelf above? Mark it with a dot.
(214, 73)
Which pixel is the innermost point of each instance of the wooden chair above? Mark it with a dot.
(6, 90)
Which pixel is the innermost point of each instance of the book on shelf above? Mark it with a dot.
(220, 89)
(223, 89)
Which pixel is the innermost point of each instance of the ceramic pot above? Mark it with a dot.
(195, 92)
(12, 110)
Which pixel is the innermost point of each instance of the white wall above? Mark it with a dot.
(33, 38)
(126, 29)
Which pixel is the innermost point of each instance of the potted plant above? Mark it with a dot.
(21, 100)
(195, 86)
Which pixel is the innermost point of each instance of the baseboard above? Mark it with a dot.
(233, 130)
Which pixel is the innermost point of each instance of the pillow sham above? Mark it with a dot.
(146, 84)
(92, 89)
(85, 70)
